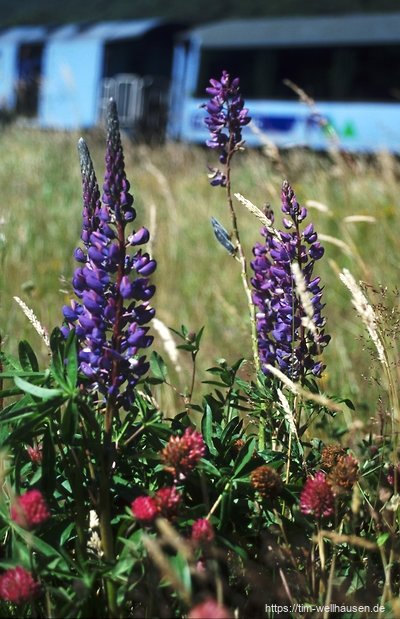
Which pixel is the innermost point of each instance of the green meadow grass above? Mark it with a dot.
(198, 283)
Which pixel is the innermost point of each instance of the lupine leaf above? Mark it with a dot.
(57, 343)
(27, 357)
(40, 392)
(69, 422)
(36, 543)
(71, 359)
(222, 236)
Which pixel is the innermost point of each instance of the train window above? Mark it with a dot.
(348, 73)
(29, 76)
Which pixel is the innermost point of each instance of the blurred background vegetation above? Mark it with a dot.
(196, 11)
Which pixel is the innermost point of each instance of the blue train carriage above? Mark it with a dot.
(21, 51)
(85, 64)
(347, 68)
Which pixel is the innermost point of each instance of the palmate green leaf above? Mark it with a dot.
(27, 357)
(10, 374)
(39, 392)
(16, 410)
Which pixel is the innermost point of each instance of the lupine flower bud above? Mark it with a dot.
(288, 336)
(202, 531)
(266, 481)
(111, 284)
(17, 585)
(30, 509)
(182, 453)
(209, 609)
(317, 498)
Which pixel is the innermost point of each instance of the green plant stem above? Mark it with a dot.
(261, 435)
(189, 395)
(387, 593)
(74, 472)
(289, 454)
(218, 501)
(329, 588)
(244, 277)
(104, 508)
(78, 485)
(242, 258)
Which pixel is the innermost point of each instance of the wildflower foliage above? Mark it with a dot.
(250, 496)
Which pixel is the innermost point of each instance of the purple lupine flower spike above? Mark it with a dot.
(283, 339)
(111, 284)
(226, 117)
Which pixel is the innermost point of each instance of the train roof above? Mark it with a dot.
(371, 28)
(25, 34)
(106, 30)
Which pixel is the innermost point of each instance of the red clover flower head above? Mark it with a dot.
(226, 117)
(112, 283)
(17, 585)
(30, 509)
(290, 325)
(165, 503)
(168, 501)
(145, 509)
(182, 453)
(202, 531)
(317, 498)
(35, 454)
(209, 609)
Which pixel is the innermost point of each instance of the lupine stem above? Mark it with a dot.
(242, 258)
(246, 286)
